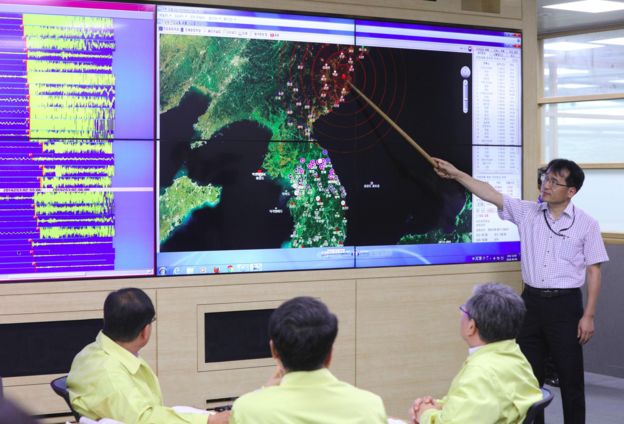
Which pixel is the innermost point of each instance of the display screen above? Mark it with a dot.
(138, 139)
(269, 160)
(76, 140)
(236, 335)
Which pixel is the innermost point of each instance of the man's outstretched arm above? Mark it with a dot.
(479, 188)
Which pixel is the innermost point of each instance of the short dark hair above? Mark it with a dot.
(575, 177)
(126, 312)
(498, 312)
(303, 331)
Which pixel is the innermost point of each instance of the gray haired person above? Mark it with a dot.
(496, 383)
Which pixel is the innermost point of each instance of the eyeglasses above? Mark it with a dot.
(552, 181)
(153, 320)
(464, 310)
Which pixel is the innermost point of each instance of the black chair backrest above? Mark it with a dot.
(59, 385)
(538, 406)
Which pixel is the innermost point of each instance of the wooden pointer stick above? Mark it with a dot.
(409, 139)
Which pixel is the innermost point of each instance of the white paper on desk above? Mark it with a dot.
(85, 420)
(191, 410)
(395, 421)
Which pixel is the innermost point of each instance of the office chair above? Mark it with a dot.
(538, 406)
(59, 385)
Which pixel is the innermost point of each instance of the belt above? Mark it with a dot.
(549, 292)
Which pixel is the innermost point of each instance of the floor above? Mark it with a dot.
(604, 397)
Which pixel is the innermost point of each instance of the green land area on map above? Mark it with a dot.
(284, 87)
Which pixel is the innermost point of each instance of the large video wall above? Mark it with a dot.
(138, 140)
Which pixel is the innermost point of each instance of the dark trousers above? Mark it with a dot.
(551, 325)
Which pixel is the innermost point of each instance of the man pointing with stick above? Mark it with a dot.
(561, 247)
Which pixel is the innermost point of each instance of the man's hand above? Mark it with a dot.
(585, 329)
(219, 418)
(480, 188)
(445, 169)
(586, 324)
(419, 406)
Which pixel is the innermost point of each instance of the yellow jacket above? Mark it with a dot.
(495, 385)
(107, 381)
(309, 397)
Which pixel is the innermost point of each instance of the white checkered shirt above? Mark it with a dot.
(549, 260)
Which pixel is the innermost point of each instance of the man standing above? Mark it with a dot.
(302, 332)
(496, 384)
(108, 378)
(561, 247)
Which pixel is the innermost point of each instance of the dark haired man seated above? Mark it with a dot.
(108, 378)
(496, 383)
(302, 332)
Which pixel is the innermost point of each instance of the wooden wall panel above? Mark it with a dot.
(38, 399)
(178, 354)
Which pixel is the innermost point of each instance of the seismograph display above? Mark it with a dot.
(57, 109)
(65, 185)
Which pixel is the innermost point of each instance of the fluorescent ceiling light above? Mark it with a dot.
(568, 46)
(618, 41)
(567, 72)
(588, 6)
(574, 85)
(617, 81)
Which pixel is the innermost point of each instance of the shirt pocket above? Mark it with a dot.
(571, 249)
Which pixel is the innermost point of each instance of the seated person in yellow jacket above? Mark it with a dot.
(108, 378)
(302, 332)
(496, 383)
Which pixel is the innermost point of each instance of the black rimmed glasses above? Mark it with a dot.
(544, 178)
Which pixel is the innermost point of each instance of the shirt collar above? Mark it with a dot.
(308, 378)
(569, 210)
(127, 359)
(502, 345)
(472, 350)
